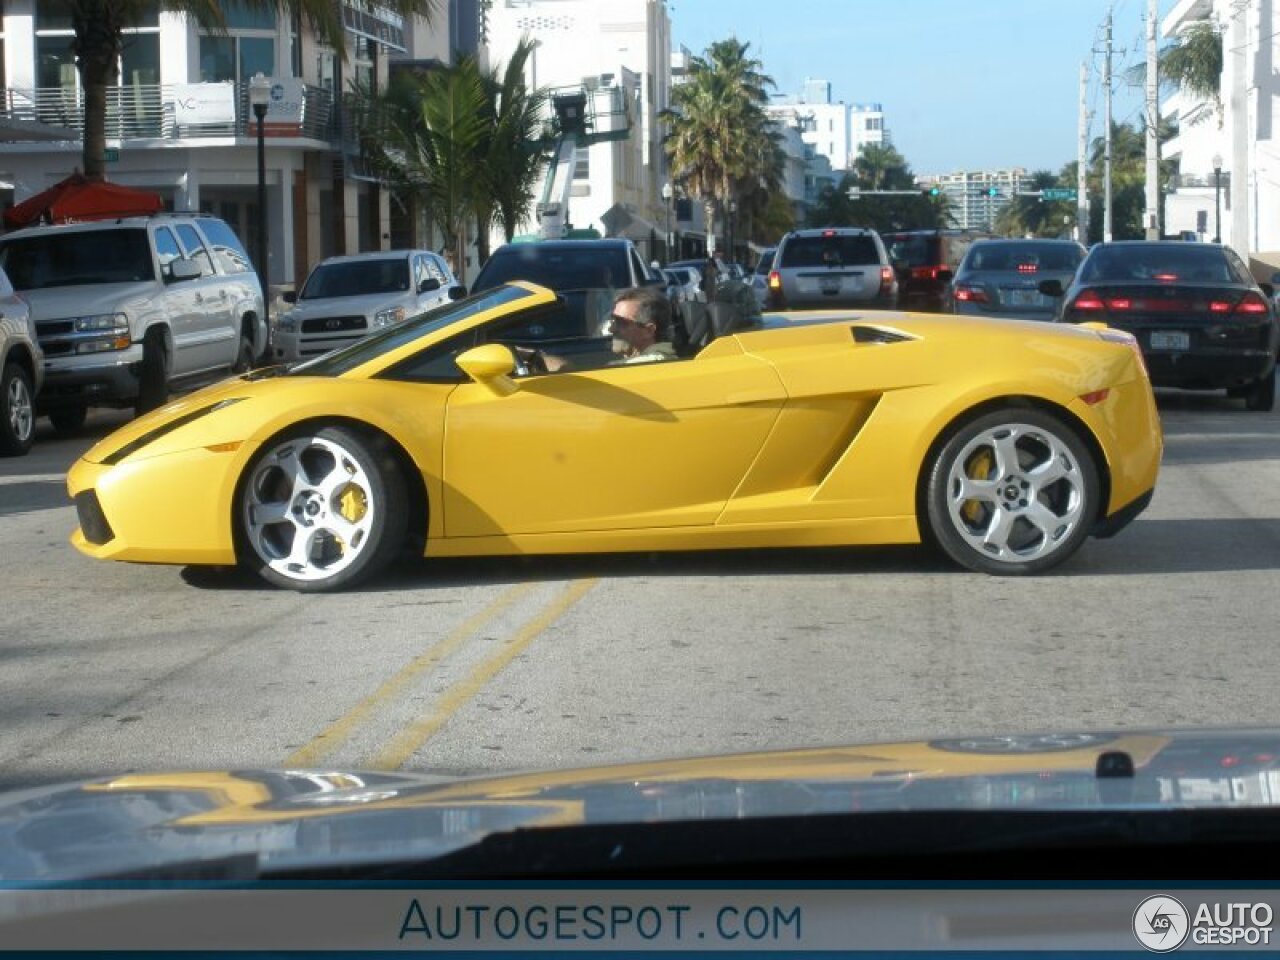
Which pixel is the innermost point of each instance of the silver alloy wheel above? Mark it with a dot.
(308, 509)
(22, 416)
(1015, 493)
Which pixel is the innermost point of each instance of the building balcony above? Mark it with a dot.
(150, 112)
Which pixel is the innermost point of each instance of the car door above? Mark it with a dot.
(186, 317)
(216, 337)
(623, 447)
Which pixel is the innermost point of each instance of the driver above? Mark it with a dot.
(641, 327)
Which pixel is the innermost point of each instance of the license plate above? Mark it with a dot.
(1024, 298)
(831, 286)
(1161, 340)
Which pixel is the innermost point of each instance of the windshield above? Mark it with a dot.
(1012, 256)
(523, 508)
(834, 251)
(558, 268)
(357, 278)
(1189, 264)
(77, 259)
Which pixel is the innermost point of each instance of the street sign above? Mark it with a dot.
(111, 155)
(1058, 193)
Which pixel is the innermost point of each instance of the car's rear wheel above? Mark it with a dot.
(1012, 492)
(322, 510)
(68, 420)
(17, 411)
(1261, 396)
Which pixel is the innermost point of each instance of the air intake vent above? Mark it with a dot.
(877, 335)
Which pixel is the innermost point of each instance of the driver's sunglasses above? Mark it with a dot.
(620, 321)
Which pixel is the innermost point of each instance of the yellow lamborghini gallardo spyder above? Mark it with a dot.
(1007, 443)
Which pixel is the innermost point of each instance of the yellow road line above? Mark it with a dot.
(407, 742)
(337, 732)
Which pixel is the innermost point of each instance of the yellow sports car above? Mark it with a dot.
(1005, 442)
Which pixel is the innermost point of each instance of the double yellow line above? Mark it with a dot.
(409, 740)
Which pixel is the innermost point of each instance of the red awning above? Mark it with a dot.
(78, 198)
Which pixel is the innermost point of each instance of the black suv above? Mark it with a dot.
(925, 261)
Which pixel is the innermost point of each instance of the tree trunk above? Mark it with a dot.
(482, 242)
(710, 208)
(97, 47)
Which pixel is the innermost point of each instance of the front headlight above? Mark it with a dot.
(287, 323)
(104, 322)
(386, 318)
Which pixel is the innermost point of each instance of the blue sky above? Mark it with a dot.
(983, 84)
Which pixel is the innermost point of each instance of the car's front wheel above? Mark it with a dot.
(322, 510)
(17, 411)
(1012, 492)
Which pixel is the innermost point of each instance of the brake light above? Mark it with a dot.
(1027, 268)
(1252, 304)
(886, 275)
(971, 295)
(1089, 301)
(1220, 306)
(775, 280)
(1167, 277)
(1120, 304)
(828, 233)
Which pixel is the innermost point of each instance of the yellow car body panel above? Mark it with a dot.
(814, 430)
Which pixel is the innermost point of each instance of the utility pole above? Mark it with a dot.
(1082, 161)
(1106, 154)
(1153, 124)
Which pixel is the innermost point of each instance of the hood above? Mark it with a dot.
(364, 305)
(55, 303)
(292, 819)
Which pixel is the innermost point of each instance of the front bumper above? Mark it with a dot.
(173, 508)
(295, 347)
(91, 380)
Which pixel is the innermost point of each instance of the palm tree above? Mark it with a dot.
(1033, 216)
(1193, 64)
(879, 166)
(99, 27)
(721, 142)
(517, 148)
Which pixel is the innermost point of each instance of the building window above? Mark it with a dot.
(582, 168)
(247, 48)
(56, 65)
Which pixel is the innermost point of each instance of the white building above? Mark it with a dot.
(179, 122)
(620, 50)
(977, 196)
(837, 131)
(1246, 137)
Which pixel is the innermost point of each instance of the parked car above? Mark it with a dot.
(1201, 319)
(760, 277)
(832, 268)
(21, 372)
(690, 282)
(1002, 277)
(347, 298)
(127, 309)
(925, 261)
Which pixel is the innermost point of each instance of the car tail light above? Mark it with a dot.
(775, 280)
(1028, 268)
(886, 279)
(1167, 277)
(971, 295)
(1252, 305)
(1088, 301)
(1220, 306)
(1120, 304)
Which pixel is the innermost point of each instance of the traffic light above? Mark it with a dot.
(933, 192)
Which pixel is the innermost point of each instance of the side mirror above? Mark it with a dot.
(458, 292)
(182, 269)
(429, 285)
(945, 276)
(289, 296)
(1050, 288)
(490, 365)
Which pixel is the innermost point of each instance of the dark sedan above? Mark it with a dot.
(1002, 277)
(1201, 319)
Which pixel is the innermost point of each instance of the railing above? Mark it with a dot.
(1183, 181)
(147, 112)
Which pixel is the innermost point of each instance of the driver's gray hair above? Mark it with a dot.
(652, 308)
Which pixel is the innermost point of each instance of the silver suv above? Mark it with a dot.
(21, 372)
(347, 298)
(127, 309)
(833, 268)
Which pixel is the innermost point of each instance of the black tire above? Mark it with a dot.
(153, 376)
(68, 421)
(262, 547)
(244, 357)
(1261, 397)
(17, 411)
(999, 530)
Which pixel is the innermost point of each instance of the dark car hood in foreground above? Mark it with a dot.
(294, 819)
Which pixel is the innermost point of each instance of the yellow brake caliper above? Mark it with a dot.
(352, 506)
(979, 468)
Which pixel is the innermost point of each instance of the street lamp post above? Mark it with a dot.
(667, 194)
(259, 98)
(1217, 198)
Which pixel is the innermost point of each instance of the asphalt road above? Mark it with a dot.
(460, 667)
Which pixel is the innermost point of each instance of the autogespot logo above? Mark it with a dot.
(1161, 924)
